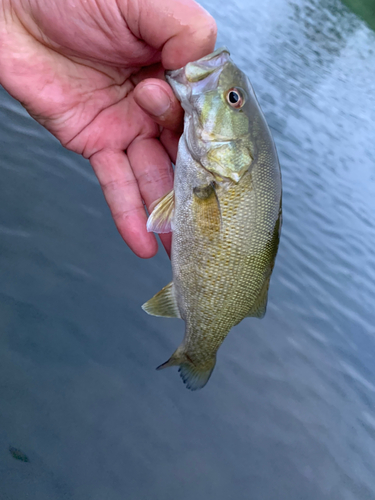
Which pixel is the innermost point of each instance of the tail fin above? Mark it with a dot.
(194, 376)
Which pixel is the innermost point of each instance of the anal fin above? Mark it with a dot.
(163, 303)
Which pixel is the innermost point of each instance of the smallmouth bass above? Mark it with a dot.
(224, 211)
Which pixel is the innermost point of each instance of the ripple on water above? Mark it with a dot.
(19, 233)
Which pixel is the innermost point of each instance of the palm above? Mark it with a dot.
(72, 75)
(88, 105)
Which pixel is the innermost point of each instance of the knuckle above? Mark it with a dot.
(117, 185)
(121, 215)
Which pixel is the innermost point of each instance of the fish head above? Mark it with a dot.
(219, 105)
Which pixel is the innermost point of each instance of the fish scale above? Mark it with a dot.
(225, 212)
(207, 329)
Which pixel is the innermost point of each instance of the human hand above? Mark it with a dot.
(91, 72)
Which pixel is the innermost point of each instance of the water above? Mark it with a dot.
(289, 410)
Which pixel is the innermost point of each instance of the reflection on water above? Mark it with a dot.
(18, 454)
(289, 412)
(363, 8)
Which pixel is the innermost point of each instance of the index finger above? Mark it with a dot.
(181, 29)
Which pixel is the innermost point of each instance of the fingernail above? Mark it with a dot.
(153, 99)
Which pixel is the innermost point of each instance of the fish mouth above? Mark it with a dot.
(198, 76)
(193, 79)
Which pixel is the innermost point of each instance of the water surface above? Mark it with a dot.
(289, 410)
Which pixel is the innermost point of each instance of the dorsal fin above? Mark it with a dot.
(163, 303)
(160, 220)
(260, 305)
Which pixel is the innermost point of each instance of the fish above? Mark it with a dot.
(224, 212)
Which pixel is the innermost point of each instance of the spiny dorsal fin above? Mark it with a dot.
(260, 305)
(160, 220)
(163, 303)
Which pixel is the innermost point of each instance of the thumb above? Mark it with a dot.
(156, 97)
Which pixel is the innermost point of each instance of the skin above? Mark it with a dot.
(91, 72)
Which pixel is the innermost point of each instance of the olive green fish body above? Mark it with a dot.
(225, 213)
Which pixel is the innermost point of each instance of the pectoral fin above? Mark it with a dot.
(206, 209)
(163, 303)
(160, 220)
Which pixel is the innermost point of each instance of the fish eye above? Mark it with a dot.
(234, 98)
